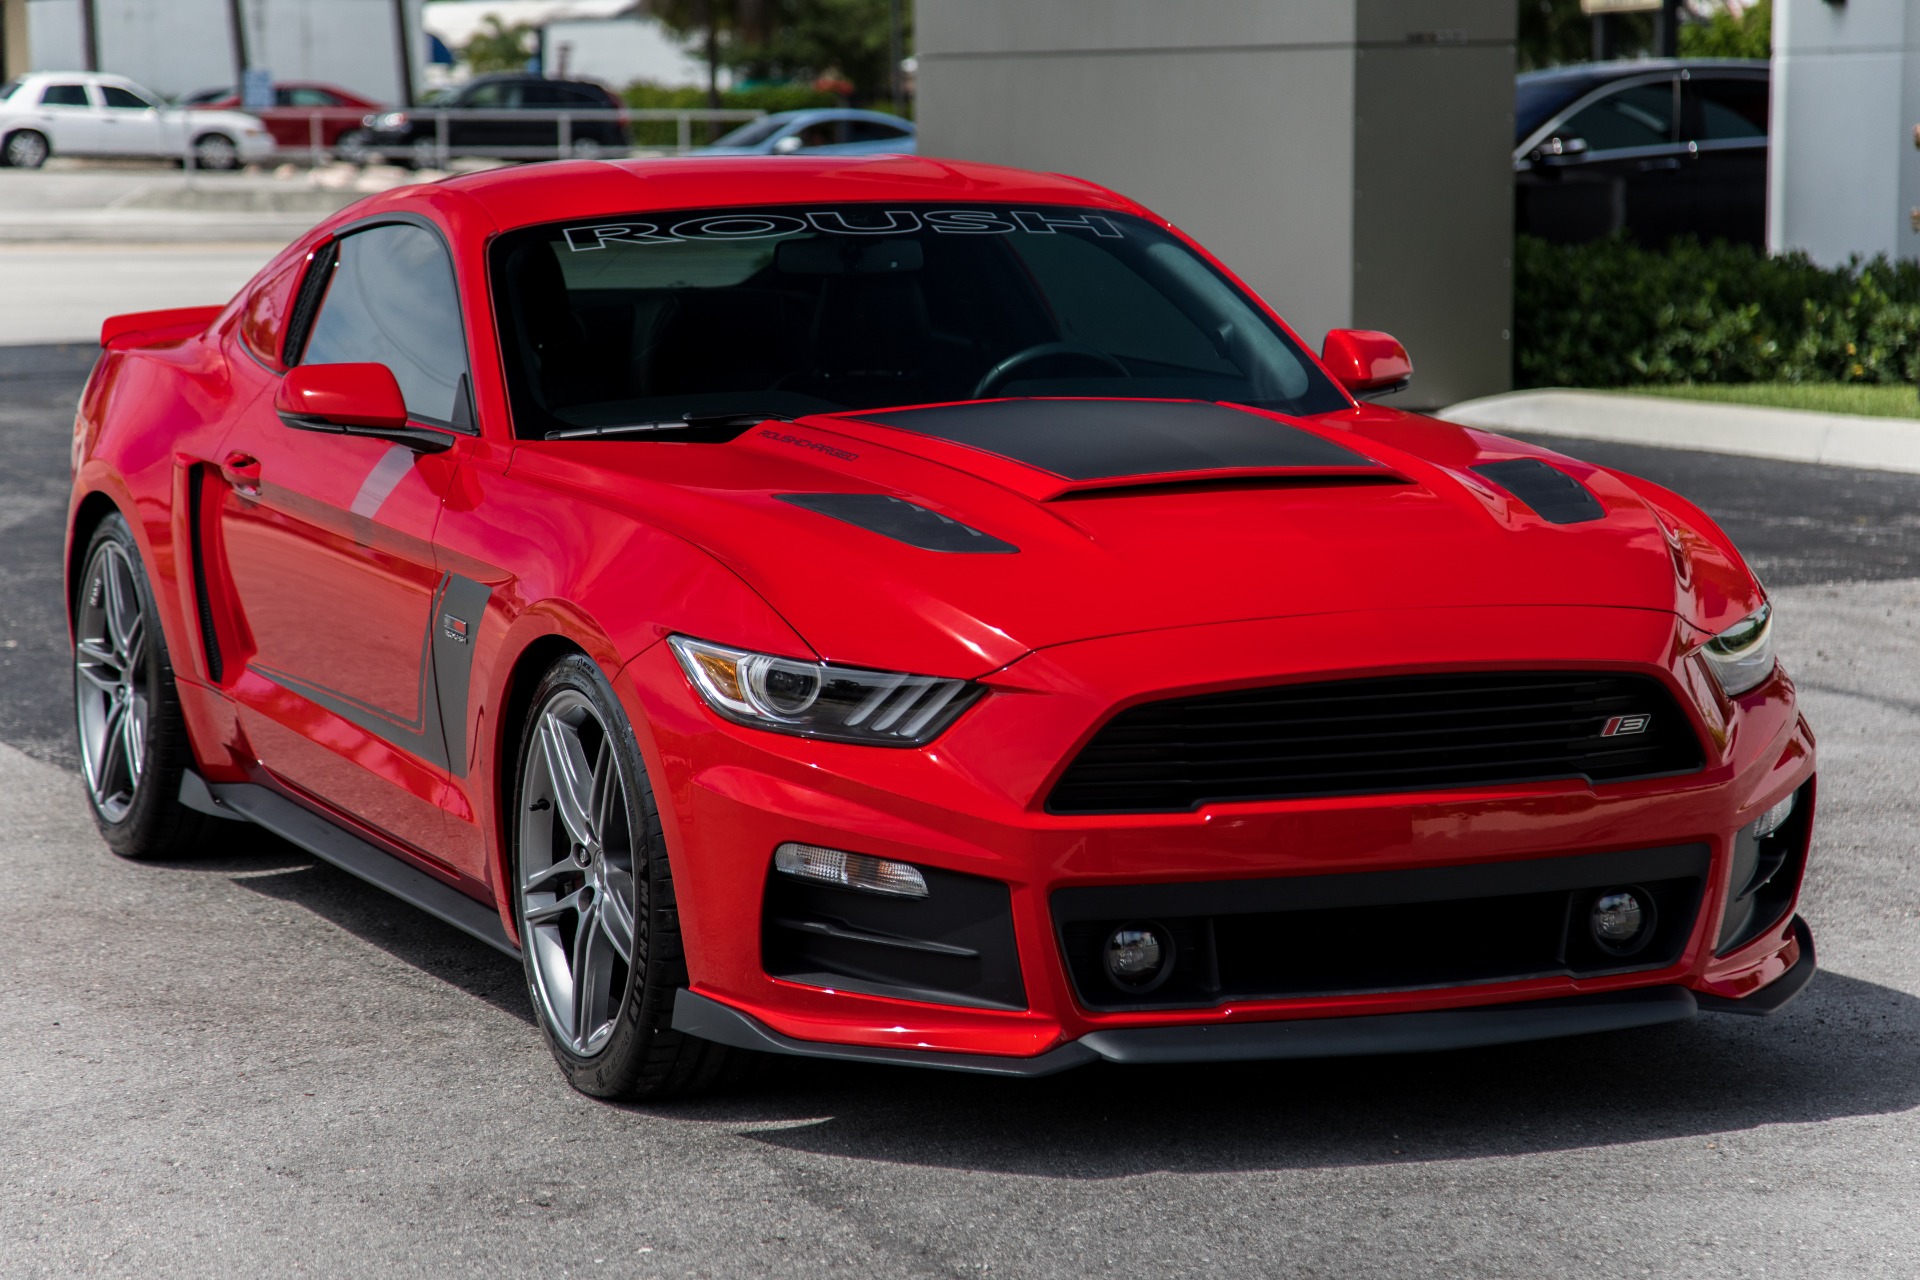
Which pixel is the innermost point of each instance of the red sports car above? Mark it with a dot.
(916, 612)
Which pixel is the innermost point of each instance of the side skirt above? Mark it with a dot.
(322, 839)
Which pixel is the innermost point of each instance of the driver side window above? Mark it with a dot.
(392, 300)
(1639, 115)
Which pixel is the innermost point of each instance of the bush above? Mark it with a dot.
(1609, 314)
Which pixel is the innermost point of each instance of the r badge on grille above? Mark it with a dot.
(1619, 726)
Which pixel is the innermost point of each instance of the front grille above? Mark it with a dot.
(1343, 934)
(1398, 733)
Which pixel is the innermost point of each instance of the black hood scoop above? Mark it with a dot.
(1555, 496)
(1109, 441)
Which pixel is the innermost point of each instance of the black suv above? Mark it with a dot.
(1654, 148)
(482, 122)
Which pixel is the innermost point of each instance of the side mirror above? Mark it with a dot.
(1560, 148)
(352, 399)
(1366, 363)
(787, 145)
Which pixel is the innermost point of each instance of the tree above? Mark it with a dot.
(1735, 31)
(498, 47)
(794, 40)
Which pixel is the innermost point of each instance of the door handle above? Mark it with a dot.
(243, 472)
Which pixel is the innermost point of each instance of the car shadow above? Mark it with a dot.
(267, 865)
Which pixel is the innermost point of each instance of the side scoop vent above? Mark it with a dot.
(903, 521)
(1555, 496)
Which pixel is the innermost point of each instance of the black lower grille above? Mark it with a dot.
(1343, 934)
(1398, 733)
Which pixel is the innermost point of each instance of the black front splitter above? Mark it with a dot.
(1423, 1032)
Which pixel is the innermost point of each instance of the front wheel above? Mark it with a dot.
(133, 737)
(599, 929)
(26, 149)
(216, 151)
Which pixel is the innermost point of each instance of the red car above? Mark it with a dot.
(915, 612)
(297, 107)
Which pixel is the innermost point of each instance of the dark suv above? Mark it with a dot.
(511, 117)
(1655, 148)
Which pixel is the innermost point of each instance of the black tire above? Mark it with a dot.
(641, 1057)
(25, 149)
(152, 823)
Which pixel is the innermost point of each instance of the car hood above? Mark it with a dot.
(952, 540)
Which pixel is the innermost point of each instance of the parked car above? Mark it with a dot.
(84, 113)
(296, 106)
(822, 132)
(920, 613)
(411, 136)
(1655, 149)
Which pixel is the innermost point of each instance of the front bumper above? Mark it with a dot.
(973, 804)
(1424, 1032)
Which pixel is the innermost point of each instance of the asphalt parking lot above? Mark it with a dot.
(256, 1065)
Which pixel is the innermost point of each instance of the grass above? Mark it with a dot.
(1877, 401)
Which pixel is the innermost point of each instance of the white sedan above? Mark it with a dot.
(83, 113)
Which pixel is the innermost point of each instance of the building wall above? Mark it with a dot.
(175, 47)
(1845, 178)
(1350, 159)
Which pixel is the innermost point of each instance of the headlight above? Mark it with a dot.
(391, 120)
(1742, 656)
(819, 700)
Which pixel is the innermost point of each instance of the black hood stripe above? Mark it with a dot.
(903, 521)
(1114, 439)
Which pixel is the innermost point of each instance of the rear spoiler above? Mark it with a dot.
(147, 328)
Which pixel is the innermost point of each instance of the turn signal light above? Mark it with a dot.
(849, 870)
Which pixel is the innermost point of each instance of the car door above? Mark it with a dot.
(1614, 162)
(131, 122)
(327, 544)
(69, 117)
(495, 132)
(1724, 117)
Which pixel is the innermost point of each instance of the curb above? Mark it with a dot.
(1790, 435)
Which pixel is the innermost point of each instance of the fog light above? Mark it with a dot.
(1139, 956)
(1775, 818)
(850, 870)
(1622, 920)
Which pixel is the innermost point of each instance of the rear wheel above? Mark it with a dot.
(216, 151)
(25, 149)
(133, 738)
(599, 929)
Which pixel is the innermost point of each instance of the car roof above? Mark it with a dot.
(528, 195)
(1623, 68)
(836, 113)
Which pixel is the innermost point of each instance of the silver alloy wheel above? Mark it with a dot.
(110, 687)
(586, 149)
(577, 891)
(26, 150)
(216, 151)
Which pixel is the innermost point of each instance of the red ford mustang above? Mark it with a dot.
(923, 613)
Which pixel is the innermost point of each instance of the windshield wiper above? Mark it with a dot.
(686, 422)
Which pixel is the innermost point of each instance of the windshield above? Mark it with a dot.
(812, 309)
(1534, 101)
(753, 132)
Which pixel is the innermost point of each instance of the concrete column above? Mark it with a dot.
(1351, 159)
(15, 59)
(1844, 176)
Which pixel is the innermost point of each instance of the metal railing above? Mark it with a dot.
(337, 133)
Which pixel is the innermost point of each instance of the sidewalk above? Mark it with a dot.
(1836, 439)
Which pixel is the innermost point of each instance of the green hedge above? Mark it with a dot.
(765, 97)
(1608, 314)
